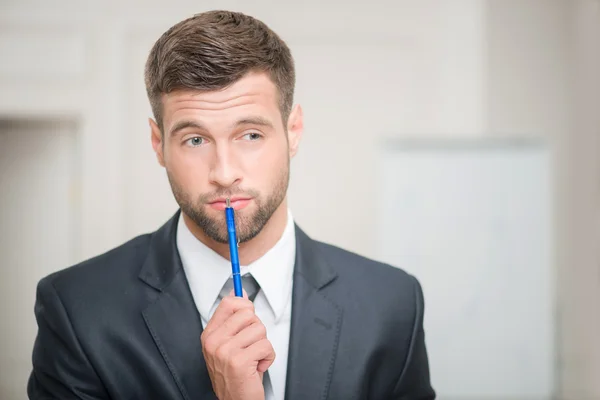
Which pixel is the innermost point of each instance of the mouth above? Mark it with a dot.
(237, 203)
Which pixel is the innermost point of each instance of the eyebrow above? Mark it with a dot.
(186, 124)
(255, 120)
(260, 121)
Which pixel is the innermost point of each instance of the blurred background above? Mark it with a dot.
(456, 139)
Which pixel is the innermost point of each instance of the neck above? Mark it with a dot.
(252, 250)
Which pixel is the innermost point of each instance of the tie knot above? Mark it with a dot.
(249, 284)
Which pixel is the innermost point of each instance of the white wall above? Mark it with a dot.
(415, 67)
(472, 220)
(543, 65)
(366, 71)
(38, 234)
(581, 195)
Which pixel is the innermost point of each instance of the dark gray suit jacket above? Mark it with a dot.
(124, 325)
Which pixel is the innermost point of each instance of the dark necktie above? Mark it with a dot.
(252, 288)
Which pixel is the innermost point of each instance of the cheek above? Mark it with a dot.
(266, 155)
(266, 168)
(188, 168)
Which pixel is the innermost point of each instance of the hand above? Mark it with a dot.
(236, 350)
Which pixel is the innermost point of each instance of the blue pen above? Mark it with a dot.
(233, 250)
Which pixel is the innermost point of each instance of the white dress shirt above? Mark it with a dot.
(207, 272)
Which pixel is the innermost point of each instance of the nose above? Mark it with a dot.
(224, 171)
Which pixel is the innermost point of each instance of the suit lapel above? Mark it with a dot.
(172, 317)
(315, 325)
(174, 323)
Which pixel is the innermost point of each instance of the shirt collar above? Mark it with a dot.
(274, 270)
(207, 271)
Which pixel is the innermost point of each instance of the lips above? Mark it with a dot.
(237, 203)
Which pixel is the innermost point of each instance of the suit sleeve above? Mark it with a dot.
(61, 369)
(414, 382)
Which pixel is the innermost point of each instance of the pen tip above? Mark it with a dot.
(227, 202)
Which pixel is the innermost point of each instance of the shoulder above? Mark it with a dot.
(369, 281)
(107, 270)
(384, 297)
(368, 272)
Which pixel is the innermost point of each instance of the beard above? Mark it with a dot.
(248, 224)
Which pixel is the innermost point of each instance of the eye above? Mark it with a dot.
(252, 136)
(195, 141)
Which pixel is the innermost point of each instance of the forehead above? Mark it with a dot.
(254, 93)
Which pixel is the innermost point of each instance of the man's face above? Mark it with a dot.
(228, 143)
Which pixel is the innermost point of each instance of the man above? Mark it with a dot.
(155, 318)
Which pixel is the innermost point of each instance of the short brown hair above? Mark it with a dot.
(213, 50)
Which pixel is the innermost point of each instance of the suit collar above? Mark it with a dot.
(162, 262)
(207, 271)
(171, 316)
(309, 262)
(315, 326)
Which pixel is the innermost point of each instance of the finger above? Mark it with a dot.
(264, 365)
(250, 334)
(236, 324)
(263, 352)
(227, 307)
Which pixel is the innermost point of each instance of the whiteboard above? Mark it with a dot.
(472, 220)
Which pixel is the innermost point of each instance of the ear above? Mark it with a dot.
(157, 141)
(295, 128)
